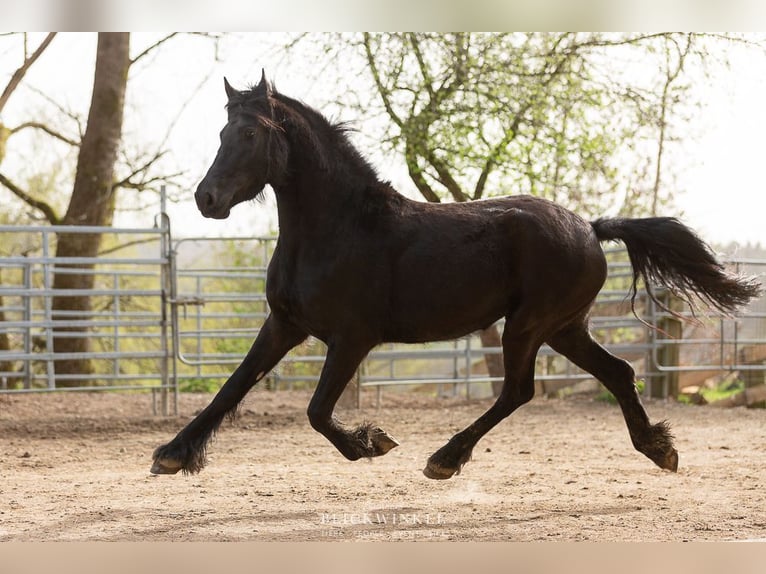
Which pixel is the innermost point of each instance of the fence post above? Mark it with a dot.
(27, 298)
(667, 355)
(48, 305)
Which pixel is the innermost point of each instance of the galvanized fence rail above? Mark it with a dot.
(126, 326)
(223, 300)
(169, 315)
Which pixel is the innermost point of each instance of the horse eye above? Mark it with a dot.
(250, 133)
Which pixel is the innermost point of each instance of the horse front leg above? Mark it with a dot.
(365, 440)
(187, 450)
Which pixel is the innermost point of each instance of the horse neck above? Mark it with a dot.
(323, 190)
(314, 205)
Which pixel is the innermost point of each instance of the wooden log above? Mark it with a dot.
(692, 393)
(750, 397)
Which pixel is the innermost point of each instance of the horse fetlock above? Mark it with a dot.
(657, 444)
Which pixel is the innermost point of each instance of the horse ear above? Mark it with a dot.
(263, 86)
(230, 92)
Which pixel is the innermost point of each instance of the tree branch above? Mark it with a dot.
(68, 113)
(45, 208)
(145, 183)
(46, 129)
(670, 77)
(510, 135)
(127, 244)
(153, 47)
(427, 79)
(161, 41)
(512, 131)
(378, 82)
(416, 174)
(19, 74)
(445, 177)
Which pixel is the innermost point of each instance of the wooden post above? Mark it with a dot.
(666, 383)
(753, 355)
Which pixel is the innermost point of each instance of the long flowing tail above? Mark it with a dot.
(663, 251)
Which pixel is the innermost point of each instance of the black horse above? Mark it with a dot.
(358, 264)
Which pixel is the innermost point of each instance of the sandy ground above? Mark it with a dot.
(75, 467)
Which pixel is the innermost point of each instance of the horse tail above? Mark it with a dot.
(663, 251)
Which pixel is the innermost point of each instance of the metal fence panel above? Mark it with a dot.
(126, 325)
(169, 315)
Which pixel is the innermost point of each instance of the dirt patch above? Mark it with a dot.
(75, 467)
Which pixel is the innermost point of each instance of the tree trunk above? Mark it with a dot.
(92, 201)
(495, 368)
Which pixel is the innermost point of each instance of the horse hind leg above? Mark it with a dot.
(653, 440)
(519, 351)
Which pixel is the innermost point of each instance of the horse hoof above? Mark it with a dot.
(437, 472)
(165, 466)
(671, 461)
(382, 442)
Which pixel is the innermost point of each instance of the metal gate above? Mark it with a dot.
(125, 328)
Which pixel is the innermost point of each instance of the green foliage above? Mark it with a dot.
(607, 397)
(723, 390)
(579, 118)
(199, 385)
(4, 134)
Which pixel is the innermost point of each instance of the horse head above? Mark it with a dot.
(253, 152)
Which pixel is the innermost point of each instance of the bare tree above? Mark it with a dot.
(5, 133)
(93, 199)
(96, 184)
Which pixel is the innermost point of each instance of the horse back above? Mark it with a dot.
(459, 267)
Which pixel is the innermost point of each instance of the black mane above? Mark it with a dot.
(328, 141)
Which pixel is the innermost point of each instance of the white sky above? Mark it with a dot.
(724, 187)
(720, 176)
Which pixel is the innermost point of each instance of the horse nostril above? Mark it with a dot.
(204, 199)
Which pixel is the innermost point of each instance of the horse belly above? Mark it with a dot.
(441, 302)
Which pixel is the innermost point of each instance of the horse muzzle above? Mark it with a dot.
(211, 204)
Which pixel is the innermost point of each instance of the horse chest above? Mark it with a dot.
(313, 295)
